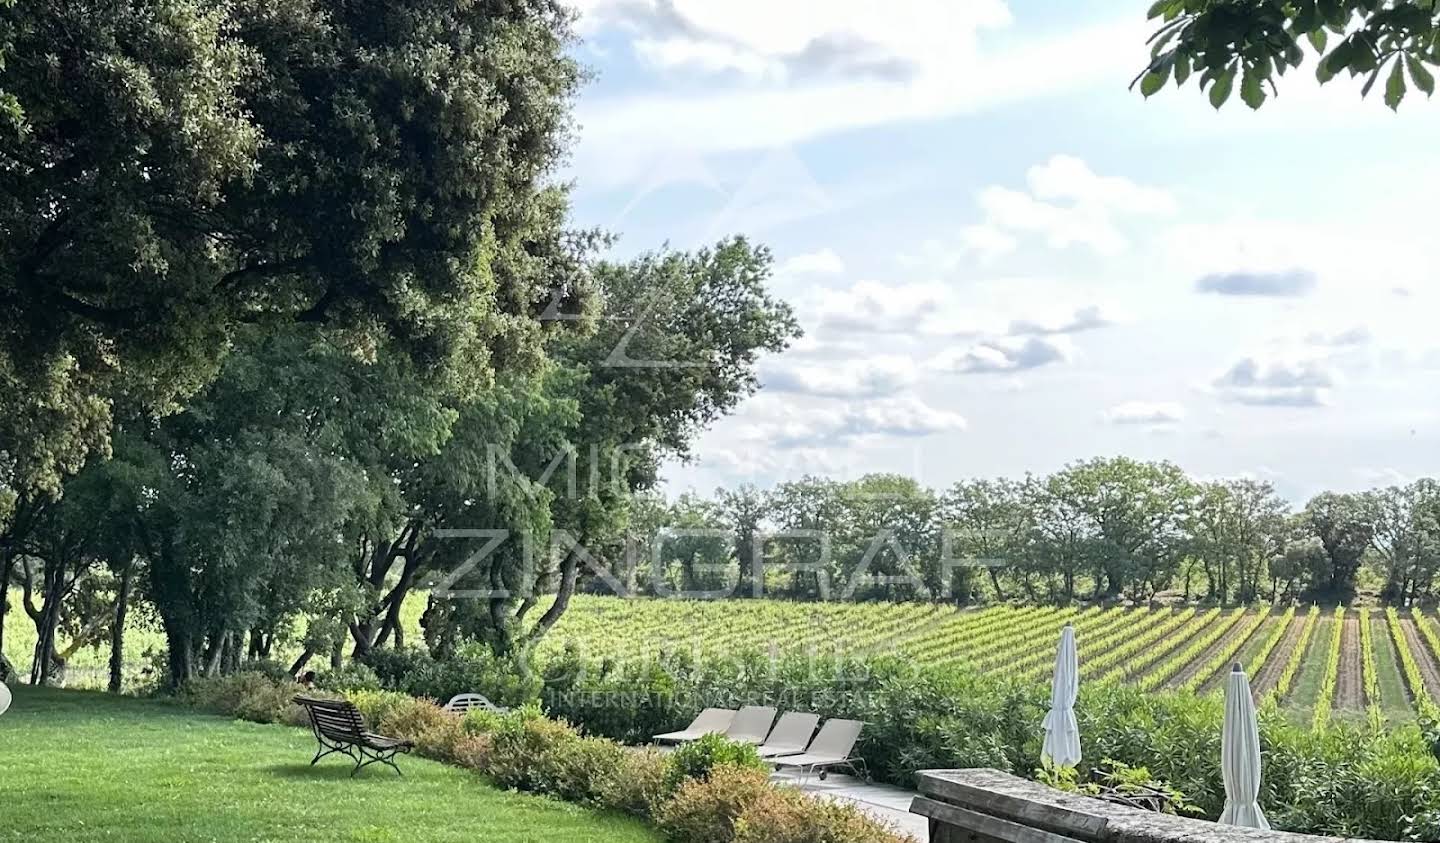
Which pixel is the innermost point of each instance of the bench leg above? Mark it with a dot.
(329, 749)
(370, 757)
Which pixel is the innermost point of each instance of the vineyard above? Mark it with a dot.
(1318, 664)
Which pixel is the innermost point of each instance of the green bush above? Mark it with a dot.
(705, 810)
(783, 815)
(509, 682)
(246, 696)
(696, 759)
(375, 706)
(531, 752)
(269, 668)
(436, 733)
(637, 785)
(353, 676)
(394, 667)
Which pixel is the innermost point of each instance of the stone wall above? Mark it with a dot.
(988, 806)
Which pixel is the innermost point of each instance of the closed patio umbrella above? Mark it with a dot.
(1062, 733)
(1240, 756)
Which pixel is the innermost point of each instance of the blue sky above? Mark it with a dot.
(1004, 260)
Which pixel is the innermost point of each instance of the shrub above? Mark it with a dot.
(637, 785)
(247, 696)
(435, 732)
(530, 752)
(705, 810)
(353, 676)
(696, 759)
(473, 752)
(476, 670)
(394, 666)
(269, 668)
(375, 706)
(782, 815)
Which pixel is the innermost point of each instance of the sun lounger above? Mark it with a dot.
(833, 746)
(706, 722)
(790, 736)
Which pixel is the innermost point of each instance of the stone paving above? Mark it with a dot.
(884, 802)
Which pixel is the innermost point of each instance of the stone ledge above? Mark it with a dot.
(1009, 806)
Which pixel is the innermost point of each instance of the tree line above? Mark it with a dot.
(277, 280)
(1099, 529)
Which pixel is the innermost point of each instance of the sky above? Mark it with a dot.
(1004, 260)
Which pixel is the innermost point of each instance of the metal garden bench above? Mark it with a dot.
(339, 727)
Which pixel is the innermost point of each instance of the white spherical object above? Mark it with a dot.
(4, 697)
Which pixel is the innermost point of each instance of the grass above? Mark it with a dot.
(88, 766)
(1306, 691)
(1394, 698)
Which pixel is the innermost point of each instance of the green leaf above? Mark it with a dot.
(1182, 69)
(1333, 63)
(1306, 19)
(1220, 91)
(1420, 75)
(1317, 38)
(1251, 90)
(1395, 85)
(1152, 83)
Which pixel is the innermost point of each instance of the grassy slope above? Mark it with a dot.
(87, 766)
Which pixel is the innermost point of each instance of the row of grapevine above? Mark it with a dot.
(1094, 626)
(1117, 663)
(1177, 662)
(1297, 656)
(1427, 631)
(1136, 625)
(1410, 668)
(1262, 655)
(1020, 642)
(1223, 656)
(1369, 678)
(1326, 700)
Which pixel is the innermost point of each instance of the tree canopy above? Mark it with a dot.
(172, 171)
(1255, 42)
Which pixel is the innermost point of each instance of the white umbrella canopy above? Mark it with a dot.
(1240, 756)
(1062, 733)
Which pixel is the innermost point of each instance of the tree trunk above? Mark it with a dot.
(180, 654)
(300, 663)
(117, 635)
(995, 583)
(4, 609)
(42, 666)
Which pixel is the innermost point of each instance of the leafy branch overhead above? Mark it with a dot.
(1254, 42)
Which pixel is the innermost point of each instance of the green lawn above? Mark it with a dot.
(78, 765)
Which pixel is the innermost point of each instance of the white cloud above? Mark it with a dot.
(800, 38)
(1284, 284)
(823, 262)
(621, 135)
(863, 378)
(1086, 318)
(1278, 382)
(1145, 413)
(1067, 204)
(906, 417)
(784, 425)
(874, 307)
(1003, 355)
(1346, 338)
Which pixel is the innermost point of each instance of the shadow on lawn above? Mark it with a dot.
(332, 772)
